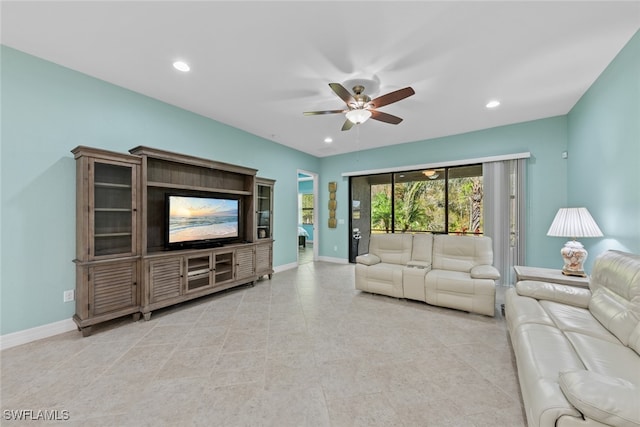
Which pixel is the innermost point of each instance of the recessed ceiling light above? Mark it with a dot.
(328, 140)
(181, 66)
(493, 104)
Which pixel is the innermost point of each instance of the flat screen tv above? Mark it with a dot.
(199, 221)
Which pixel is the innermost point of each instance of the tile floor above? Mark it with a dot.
(305, 254)
(303, 349)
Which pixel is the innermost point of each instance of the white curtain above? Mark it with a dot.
(504, 184)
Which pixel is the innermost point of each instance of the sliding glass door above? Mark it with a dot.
(439, 200)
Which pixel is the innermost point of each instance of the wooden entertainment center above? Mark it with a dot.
(122, 262)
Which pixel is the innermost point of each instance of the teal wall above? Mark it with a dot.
(604, 154)
(602, 172)
(546, 173)
(47, 110)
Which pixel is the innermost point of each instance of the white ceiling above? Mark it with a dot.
(258, 65)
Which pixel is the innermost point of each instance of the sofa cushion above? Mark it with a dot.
(619, 272)
(609, 400)
(455, 289)
(606, 357)
(391, 248)
(458, 282)
(422, 250)
(615, 283)
(634, 339)
(615, 313)
(541, 352)
(461, 253)
(382, 278)
(568, 318)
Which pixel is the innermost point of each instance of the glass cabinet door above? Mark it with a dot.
(113, 211)
(264, 209)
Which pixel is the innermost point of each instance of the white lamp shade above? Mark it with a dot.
(574, 222)
(358, 116)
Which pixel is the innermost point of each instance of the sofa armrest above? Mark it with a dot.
(485, 272)
(609, 400)
(419, 264)
(565, 294)
(368, 259)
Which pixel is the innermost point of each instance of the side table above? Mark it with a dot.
(549, 275)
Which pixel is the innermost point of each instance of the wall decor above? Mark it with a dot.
(333, 204)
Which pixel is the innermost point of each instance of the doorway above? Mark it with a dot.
(308, 239)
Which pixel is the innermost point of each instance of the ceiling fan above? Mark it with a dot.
(360, 106)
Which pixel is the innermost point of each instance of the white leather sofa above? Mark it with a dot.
(448, 271)
(578, 350)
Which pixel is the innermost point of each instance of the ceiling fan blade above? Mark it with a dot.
(385, 117)
(348, 124)
(343, 93)
(315, 113)
(392, 97)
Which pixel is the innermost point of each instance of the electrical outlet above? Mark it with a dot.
(69, 295)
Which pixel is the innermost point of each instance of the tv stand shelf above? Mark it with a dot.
(123, 265)
(198, 188)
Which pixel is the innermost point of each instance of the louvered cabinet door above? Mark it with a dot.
(245, 267)
(112, 288)
(165, 279)
(264, 259)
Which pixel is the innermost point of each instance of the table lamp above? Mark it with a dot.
(574, 223)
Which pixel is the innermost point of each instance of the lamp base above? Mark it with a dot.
(574, 256)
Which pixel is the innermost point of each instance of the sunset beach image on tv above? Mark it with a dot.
(202, 218)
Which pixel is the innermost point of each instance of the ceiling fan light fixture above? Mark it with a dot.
(358, 116)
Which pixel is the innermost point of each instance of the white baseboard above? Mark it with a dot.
(285, 267)
(333, 259)
(28, 335)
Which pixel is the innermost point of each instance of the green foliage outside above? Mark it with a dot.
(307, 208)
(420, 206)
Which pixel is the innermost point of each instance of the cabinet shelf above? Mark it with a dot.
(113, 210)
(97, 236)
(112, 185)
(200, 272)
(196, 188)
(193, 277)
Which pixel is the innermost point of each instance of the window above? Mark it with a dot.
(464, 195)
(441, 200)
(307, 208)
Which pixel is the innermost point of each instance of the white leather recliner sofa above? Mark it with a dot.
(578, 350)
(447, 271)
